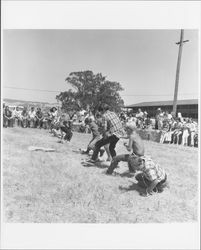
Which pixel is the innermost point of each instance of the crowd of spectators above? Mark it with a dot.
(174, 130)
(32, 118)
(35, 117)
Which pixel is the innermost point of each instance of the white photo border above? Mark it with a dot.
(111, 15)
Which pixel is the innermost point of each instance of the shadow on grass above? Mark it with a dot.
(77, 151)
(125, 174)
(97, 164)
(132, 187)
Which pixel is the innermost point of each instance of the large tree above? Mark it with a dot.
(89, 91)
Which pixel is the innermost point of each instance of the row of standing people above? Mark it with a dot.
(177, 130)
(180, 131)
(38, 118)
(33, 118)
(141, 118)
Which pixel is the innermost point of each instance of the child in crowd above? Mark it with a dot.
(192, 130)
(25, 117)
(177, 131)
(152, 177)
(185, 134)
(46, 120)
(17, 117)
(39, 118)
(170, 132)
(164, 131)
(135, 144)
(32, 118)
(53, 118)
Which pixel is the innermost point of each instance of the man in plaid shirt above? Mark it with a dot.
(112, 131)
(151, 176)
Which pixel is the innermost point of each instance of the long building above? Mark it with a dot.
(188, 108)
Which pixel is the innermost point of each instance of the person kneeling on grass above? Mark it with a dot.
(135, 144)
(152, 177)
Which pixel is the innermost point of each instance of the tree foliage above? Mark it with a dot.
(89, 91)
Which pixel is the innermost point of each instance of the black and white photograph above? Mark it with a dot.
(100, 126)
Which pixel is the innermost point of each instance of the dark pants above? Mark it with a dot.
(93, 142)
(7, 122)
(117, 159)
(144, 182)
(24, 122)
(32, 122)
(112, 140)
(68, 133)
(39, 123)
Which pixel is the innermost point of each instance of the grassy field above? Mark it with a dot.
(56, 187)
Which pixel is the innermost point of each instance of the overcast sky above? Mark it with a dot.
(143, 61)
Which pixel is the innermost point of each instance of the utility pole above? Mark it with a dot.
(180, 43)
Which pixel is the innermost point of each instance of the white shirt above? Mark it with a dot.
(192, 127)
(17, 113)
(32, 114)
(169, 116)
(82, 112)
(140, 114)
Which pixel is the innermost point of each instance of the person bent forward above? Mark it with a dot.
(152, 176)
(135, 144)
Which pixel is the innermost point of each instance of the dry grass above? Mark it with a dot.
(56, 187)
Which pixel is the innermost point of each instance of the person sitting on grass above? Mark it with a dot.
(152, 177)
(135, 144)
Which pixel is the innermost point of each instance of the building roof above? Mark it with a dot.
(163, 103)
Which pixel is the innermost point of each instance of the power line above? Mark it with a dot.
(42, 90)
(161, 94)
(56, 91)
